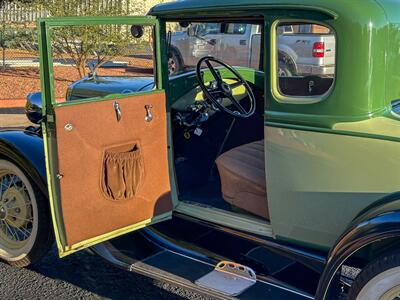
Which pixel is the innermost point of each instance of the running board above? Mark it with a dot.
(202, 277)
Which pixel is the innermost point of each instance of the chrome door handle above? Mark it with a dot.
(149, 114)
(118, 112)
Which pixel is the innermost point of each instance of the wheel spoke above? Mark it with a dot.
(3, 226)
(1, 188)
(215, 92)
(11, 231)
(12, 182)
(7, 185)
(24, 231)
(19, 218)
(17, 225)
(237, 104)
(13, 225)
(213, 71)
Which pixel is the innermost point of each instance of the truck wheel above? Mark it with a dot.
(380, 279)
(25, 226)
(284, 70)
(174, 63)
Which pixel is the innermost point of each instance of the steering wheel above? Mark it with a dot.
(220, 90)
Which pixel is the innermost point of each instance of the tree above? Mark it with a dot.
(84, 43)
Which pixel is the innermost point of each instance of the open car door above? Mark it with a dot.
(106, 141)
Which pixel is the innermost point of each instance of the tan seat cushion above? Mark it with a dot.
(242, 172)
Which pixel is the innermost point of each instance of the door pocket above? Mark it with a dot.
(122, 172)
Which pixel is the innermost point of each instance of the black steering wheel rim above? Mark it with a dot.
(225, 89)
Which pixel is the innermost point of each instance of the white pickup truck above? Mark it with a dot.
(302, 49)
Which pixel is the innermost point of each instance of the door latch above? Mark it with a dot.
(311, 85)
(149, 114)
(118, 112)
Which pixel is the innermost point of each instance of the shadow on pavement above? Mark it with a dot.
(96, 279)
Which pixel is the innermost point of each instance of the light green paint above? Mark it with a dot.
(386, 127)
(317, 183)
(226, 218)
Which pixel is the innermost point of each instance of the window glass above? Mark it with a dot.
(234, 28)
(233, 43)
(306, 60)
(208, 28)
(97, 60)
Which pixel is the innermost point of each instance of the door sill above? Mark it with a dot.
(225, 218)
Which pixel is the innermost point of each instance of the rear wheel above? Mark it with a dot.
(25, 226)
(379, 280)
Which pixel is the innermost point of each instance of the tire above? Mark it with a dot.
(380, 279)
(25, 225)
(174, 63)
(284, 70)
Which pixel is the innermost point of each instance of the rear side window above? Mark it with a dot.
(305, 60)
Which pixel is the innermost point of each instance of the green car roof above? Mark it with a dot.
(331, 7)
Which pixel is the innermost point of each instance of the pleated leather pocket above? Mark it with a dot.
(123, 172)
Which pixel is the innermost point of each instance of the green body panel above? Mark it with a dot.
(393, 60)
(318, 182)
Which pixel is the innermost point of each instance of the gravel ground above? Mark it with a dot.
(82, 276)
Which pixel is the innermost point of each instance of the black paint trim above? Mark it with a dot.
(381, 224)
(311, 259)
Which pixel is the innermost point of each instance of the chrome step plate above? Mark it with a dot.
(228, 278)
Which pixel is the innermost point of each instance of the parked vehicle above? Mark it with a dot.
(238, 45)
(235, 182)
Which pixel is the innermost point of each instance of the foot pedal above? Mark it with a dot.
(228, 278)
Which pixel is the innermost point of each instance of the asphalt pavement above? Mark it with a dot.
(82, 276)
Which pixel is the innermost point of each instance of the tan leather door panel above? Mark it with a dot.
(100, 193)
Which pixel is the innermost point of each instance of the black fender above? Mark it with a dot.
(377, 222)
(26, 149)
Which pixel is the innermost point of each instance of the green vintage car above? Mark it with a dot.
(239, 181)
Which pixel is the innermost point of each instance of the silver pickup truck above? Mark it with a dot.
(303, 50)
